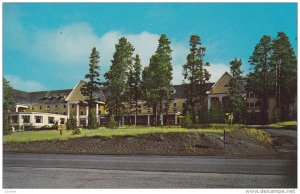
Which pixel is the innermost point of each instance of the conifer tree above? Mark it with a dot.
(92, 85)
(157, 79)
(117, 77)
(284, 67)
(236, 92)
(7, 105)
(195, 75)
(261, 77)
(134, 84)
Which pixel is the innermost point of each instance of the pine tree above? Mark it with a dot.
(236, 91)
(7, 105)
(196, 75)
(117, 77)
(134, 84)
(284, 67)
(261, 77)
(72, 123)
(92, 85)
(157, 79)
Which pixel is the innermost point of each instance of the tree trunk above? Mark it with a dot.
(154, 115)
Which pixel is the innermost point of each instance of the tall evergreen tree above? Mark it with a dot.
(117, 77)
(261, 77)
(157, 79)
(134, 84)
(92, 84)
(284, 67)
(236, 91)
(7, 104)
(196, 75)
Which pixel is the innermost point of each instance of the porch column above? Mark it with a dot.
(19, 121)
(97, 111)
(68, 107)
(135, 119)
(208, 102)
(17, 107)
(31, 120)
(87, 114)
(148, 119)
(122, 120)
(161, 119)
(77, 113)
(220, 99)
(175, 119)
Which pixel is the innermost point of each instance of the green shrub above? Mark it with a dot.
(216, 115)
(71, 123)
(112, 124)
(186, 122)
(6, 126)
(275, 115)
(92, 118)
(76, 131)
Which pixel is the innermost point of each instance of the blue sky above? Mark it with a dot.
(47, 45)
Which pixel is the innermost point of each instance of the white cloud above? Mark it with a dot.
(67, 49)
(217, 70)
(25, 85)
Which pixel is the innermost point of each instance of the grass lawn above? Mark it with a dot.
(284, 124)
(25, 136)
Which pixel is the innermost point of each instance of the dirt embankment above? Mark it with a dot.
(158, 144)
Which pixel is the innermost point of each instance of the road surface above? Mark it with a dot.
(100, 171)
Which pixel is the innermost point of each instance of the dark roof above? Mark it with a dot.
(46, 97)
(20, 97)
(180, 90)
(49, 97)
(99, 95)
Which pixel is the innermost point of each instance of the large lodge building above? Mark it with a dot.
(45, 108)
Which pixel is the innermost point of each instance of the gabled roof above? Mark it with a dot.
(98, 95)
(220, 79)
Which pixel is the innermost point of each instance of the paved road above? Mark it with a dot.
(98, 171)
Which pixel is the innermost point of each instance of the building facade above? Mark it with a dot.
(46, 108)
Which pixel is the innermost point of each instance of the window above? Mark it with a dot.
(174, 104)
(65, 106)
(51, 120)
(183, 105)
(32, 108)
(62, 121)
(81, 112)
(251, 95)
(48, 108)
(248, 104)
(14, 119)
(251, 104)
(38, 119)
(258, 104)
(26, 118)
(40, 107)
(99, 112)
(65, 113)
(55, 107)
(73, 106)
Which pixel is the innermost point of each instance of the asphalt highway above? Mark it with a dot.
(103, 171)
